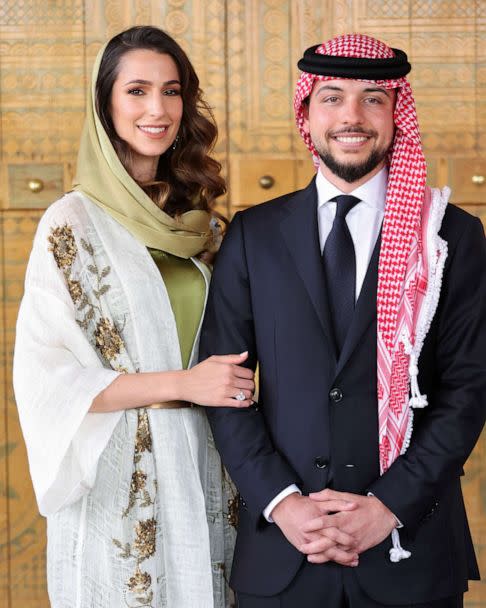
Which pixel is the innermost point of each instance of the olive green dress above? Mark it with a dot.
(186, 288)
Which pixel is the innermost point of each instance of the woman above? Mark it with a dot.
(123, 467)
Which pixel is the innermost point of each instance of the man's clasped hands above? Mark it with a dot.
(333, 526)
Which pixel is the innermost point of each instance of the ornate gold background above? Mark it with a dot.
(245, 53)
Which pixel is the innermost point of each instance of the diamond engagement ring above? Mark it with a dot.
(240, 396)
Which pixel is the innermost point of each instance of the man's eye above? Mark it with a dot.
(332, 99)
(373, 100)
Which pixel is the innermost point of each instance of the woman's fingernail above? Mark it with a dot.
(244, 353)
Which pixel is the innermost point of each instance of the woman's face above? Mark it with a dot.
(146, 108)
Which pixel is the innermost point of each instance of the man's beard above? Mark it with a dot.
(351, 172)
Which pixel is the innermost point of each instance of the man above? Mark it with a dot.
(349, 466)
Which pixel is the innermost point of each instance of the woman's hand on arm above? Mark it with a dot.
(214, 382)
(217, 380)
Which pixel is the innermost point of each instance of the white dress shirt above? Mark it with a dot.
(364, 224)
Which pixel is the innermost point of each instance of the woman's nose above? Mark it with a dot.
(157, 105)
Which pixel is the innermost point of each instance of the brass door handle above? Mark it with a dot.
(478, 179)
(266, 181)
(35, 185)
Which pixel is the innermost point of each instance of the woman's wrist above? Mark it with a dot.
(172, 385)
(129, 391)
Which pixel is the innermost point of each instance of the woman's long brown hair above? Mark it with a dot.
(187, 177)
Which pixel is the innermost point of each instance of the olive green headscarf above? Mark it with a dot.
(101, 176)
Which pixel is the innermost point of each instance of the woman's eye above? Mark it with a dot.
(172, 92)
(135, 92)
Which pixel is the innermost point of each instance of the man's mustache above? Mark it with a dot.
(353, 130)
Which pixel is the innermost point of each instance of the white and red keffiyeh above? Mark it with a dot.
(411, 259)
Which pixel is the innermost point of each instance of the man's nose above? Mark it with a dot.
(352, 112)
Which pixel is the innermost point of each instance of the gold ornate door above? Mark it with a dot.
(245, 52)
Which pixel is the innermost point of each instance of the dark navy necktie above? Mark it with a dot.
(340, 269)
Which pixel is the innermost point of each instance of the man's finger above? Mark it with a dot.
(328, 494)
(335, 554)
(323, 522)
(333, 506)
(329, 538)
(321, 545)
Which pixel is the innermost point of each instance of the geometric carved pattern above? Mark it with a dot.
(450, 9)
(260, 91)
(25, 552)
(394, 9)
(42, 83)
(200, 29)
(274, 82)
(30, 141)
(26, 12)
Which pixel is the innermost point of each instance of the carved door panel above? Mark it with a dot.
(42, 102)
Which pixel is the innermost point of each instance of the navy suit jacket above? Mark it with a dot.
(268, 296)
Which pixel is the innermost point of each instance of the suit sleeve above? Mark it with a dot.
(452, 422)
(241, 435)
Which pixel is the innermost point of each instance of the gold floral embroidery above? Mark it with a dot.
(138, 481)
(108, 339)
(139, 582)
(63, 246)
(144, 542)
(230, 491)
(143, 442)
(75, 290)
(138, 492)
(233, 511)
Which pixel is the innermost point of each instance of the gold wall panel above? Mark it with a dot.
(249, 175)
(24, 555)
(467, 179)
(34, 186)
(245, 53)
(260, 90)
(4, 449)
(41, 82)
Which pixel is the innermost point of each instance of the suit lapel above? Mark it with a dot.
(365, 310)
(301, 236)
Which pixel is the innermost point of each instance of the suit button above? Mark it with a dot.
(321, 462)
(335, 394)
(432, 510)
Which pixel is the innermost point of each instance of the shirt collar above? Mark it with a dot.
(372, 192)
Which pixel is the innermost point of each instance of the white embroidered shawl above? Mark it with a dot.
(134, 501)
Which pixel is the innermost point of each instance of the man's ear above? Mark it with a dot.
(305, 114)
